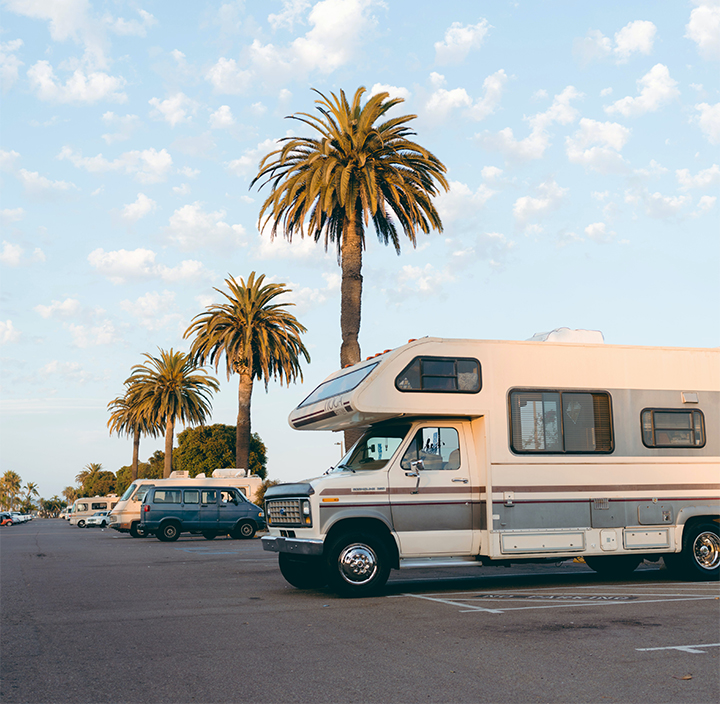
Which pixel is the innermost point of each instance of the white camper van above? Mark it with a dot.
(83, 508)
(491, 452)
(125, 517)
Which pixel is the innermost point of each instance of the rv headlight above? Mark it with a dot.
(307, 520)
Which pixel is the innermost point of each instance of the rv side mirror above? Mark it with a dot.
(417, 466)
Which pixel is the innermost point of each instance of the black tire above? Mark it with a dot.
(358, 564)
(137, 531)
(699, 559)
(613, 565)
(168, 532)
(103, 524)
(303, 572)
(244, 530)
(209, 535)
(81, 523)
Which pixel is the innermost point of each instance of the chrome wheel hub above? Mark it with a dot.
(706, 550)
(358, 564)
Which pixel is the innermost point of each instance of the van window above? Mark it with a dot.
(228, 496)
(440, 374)
(438, 448)
(192, 496)
(167, 496)
(560, 421)
(666, 427)
(99, 505)
(209, 496)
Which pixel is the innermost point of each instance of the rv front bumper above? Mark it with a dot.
(297, 546)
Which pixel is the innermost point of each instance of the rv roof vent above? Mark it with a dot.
(568, 335)
(180, 474)
(229, 472)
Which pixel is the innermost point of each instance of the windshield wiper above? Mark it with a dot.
(344, 467)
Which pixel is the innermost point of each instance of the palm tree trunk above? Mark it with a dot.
(169, 434)
(243, 430)
(350, 301)
(136, 454)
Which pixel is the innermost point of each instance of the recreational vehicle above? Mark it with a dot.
(493, 452)
(83, 508)
(125, 517)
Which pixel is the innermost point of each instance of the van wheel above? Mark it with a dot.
(209, 535)
(700, 556)
(613, 565)
(137, 532)
(169, 532)
(303, 572)
(358, 565)
(245, 530)
(81, 523)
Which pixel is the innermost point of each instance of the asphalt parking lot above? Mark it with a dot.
(95, 616)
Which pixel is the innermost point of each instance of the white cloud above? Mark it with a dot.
(175, 109)
(529, 208)
(227, 78)
(414, 281)
(9, 63)
(81, 87)
(70, 371)
(123, 265)
(135, 28)
(306, 298)
(459, 41)
(8, 159)
(393, 91)
(182, 190)
(280, 248)
(705, 205)
(491, 173)
(9, 215)
(704, 179)
(36, 184)
(493, 86)
(64, 309)
(492, 247)
(148, 166)
(709, 121)
(222, 118)
(635, 37)
(8, 333)
(292, 12)
(124, 126)
(657, 205)
(191, 227)
(154, 310)
(597, 146)
(534, 146)
(139, 209)
(85, 336)
(598, 232)
(656, 89)
(249, 161)
(461, 202)
(442, 101)
(11, 254)
(704, 28)
(187, 171)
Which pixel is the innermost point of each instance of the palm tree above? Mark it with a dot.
(259, 338)
(70, 493)
(31, 490)
(126, 419)
(169, 388)
(352, 171)
(89, 471)
(10, 485)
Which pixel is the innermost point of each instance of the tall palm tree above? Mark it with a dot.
(171, 388)
(31, 489)
(125, 419)
(88, 471)
(259, 338)
(10, 485)
(351, 171)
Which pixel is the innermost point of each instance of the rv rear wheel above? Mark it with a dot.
(613, 565)
(358, 565)
(169, 532)
(700, 556)
(81, 523)
(303, 572)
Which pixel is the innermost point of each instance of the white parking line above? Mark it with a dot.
(683, 648)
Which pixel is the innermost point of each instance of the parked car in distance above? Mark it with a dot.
(99, 518)
(211, 510)
(6, 519)
(18, 517)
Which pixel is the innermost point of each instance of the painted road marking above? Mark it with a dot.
(683, 648)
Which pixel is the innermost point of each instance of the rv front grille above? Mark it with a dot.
(284, 512)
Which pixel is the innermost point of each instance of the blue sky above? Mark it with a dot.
(581, 141)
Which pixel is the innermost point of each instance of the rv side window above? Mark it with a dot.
(665, 427)
(438, 448)
(167, 496)
(191, 496)
(443, 374)
(560, 421)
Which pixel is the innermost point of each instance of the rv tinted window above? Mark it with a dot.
(665, 427)
(443, 374)
(97, 505)
(559, 422)
(339, 385)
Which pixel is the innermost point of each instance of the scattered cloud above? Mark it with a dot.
(139, 209)
(441, 102)
(656, 205)
(599, 233)
(656, 89)
(222, 118)
(459, 41)
(124, 127)
(175, 110)
(529, 208)
(419, 281)
(123, 265)
(68, 308)
(249, 161)
(704, 28)
(705, 205)
(709, 121)
(134, 28)
(154, 311)
(635, 37)
(10, 215)
(36, 184)
(461, 203)
(147, 166)
(597, 146)
(703, 179)
(393, 91)
(9, 64)
(8, 159)
(9, 334)
(191, 227)
(81, 87)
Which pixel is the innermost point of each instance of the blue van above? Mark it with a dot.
(210, 510)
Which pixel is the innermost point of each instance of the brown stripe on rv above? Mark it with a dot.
(607, 487)
(313, 418)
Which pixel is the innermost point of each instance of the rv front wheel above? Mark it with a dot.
(358, 565)
(136, 531)
(81, 523)
(303, 572)
(613, 565)
(700, 556)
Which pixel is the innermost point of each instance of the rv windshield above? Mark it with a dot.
(374, 449)
(128, 492)
(338, 385)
